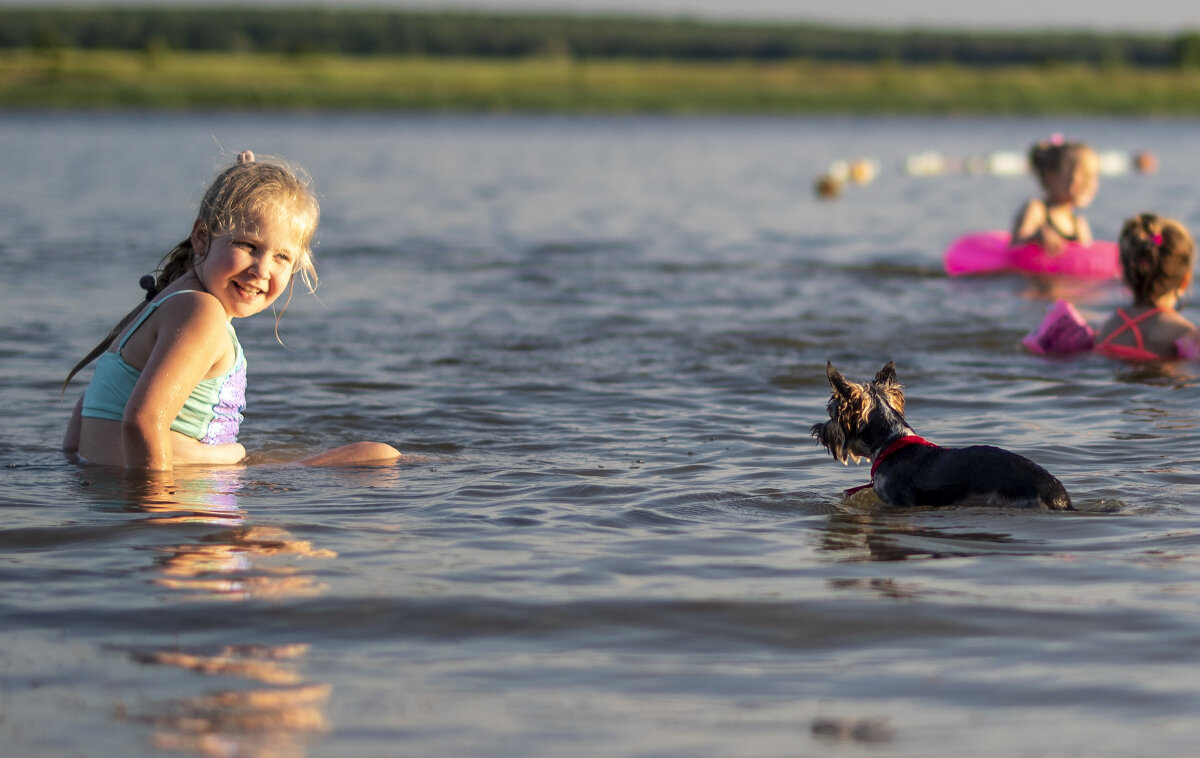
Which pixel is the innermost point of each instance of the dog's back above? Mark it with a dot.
(976, 475)
(867, 420)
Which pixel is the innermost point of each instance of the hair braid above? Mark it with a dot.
(174, 265)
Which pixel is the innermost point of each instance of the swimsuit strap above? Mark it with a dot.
(145, 314)
(1074, 236)
(1131, 325)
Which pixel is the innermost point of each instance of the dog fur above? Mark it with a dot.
(866, 420)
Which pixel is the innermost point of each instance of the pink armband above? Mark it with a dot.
(1062, 331)
(1188, 346)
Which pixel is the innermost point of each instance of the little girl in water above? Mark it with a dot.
(1068, 173)
(1157, 255)
(169, 387)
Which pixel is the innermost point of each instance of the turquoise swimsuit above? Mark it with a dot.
(211, 414)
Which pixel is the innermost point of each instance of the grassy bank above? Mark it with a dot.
(172, 80)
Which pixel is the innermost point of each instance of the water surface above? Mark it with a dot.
(606, 339)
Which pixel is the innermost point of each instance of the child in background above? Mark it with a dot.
(1069, 175)
(1157, 255)
(170, 384)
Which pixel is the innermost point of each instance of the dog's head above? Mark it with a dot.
(856, 407)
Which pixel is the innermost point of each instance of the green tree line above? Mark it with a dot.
(485, 35)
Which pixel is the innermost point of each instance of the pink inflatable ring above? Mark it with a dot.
(990, 253)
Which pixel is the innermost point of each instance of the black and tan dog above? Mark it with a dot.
(867, 421)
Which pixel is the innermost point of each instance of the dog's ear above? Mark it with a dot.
(837, 381)
(887, 382)
(887, 374)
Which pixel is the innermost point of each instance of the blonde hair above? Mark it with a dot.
(251, 189)
(1157, 254)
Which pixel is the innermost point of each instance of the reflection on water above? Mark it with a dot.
(868, 730)
(247, 661)
(222, 565)
(279, 713)
(888, 588)
(269, 722)
(185, 497)
(892, 537)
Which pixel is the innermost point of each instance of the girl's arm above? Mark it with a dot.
(189, 451)
(191, 338)
(70, 444)
(1083, 231)
(1188, 346)
(1029, 222)
(1033, 225)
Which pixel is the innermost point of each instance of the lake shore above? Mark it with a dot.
(159, 79)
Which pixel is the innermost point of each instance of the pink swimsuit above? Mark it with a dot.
(1128, 352)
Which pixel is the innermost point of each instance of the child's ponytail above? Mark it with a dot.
(1046, 157)
(1050, 157)
(1157, 255)
(174, 265)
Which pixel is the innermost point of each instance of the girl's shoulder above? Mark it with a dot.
(1170, 318)
(184, 322)
(1117, 320)
(184, 317)
(1174, 322)
(1034, 205)
(190, 305)
(1164, 332)
(1028, 220)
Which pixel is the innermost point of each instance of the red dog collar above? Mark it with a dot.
(898, 444)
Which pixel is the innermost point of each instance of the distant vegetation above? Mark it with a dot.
(478, 35)
(391, 60)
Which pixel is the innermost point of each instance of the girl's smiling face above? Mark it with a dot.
(249, 267)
